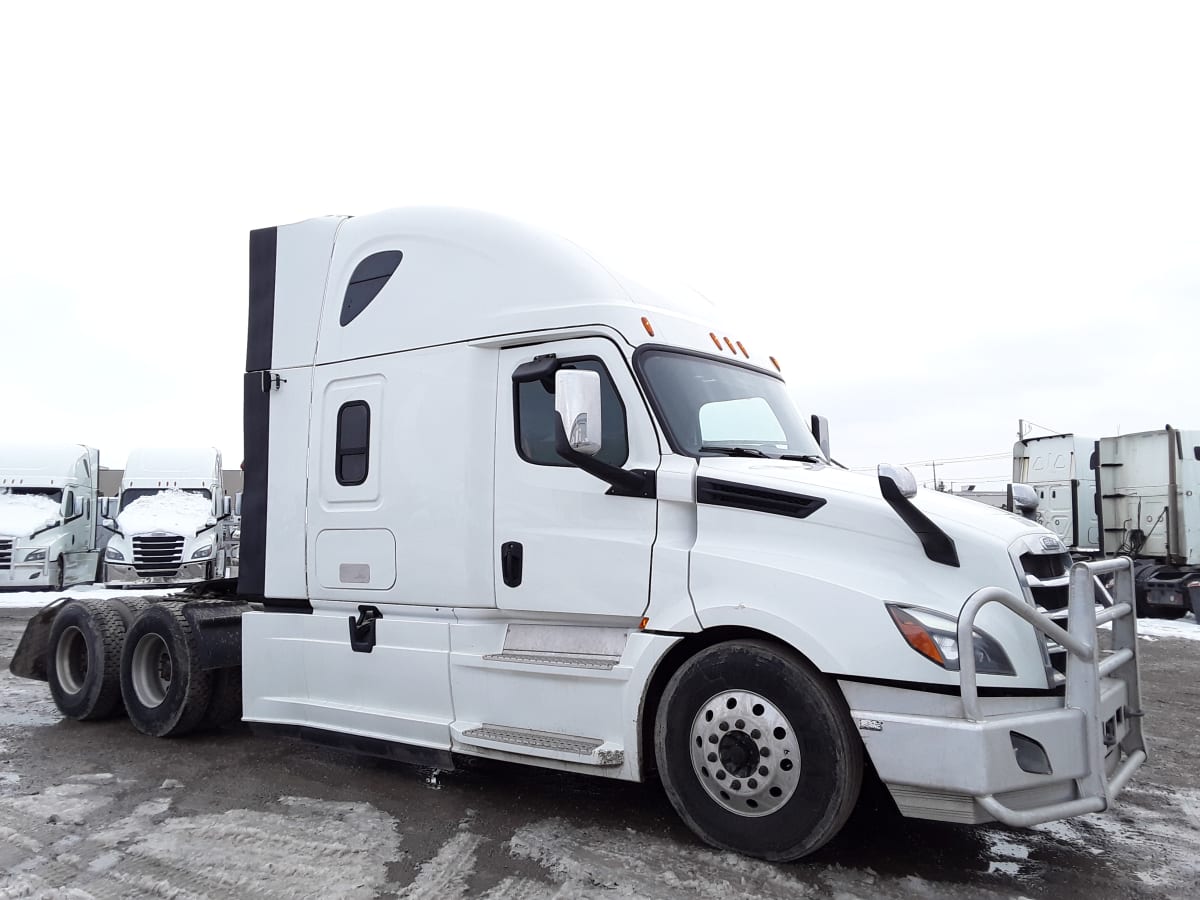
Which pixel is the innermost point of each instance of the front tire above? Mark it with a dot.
(166, 693)
(84, 660)
(756, 751)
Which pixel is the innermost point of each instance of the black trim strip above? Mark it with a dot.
(938, 545)
(256, 430)
(405, 753)
(953, 690)
(758, 499)
(261, 324)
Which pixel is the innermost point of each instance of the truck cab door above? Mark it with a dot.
(563, 543)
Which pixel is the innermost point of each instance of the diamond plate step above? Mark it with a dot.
(603, 663)
(545, 741)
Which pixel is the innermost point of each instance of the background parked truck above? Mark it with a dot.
(170, 527)
(48, 515)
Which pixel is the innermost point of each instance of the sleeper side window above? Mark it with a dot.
(534, 415)
(351, 458)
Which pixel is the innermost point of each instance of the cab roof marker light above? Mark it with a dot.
(729, 344)
(649, 328)
(716, 340)
(775, 363)
(742, 347)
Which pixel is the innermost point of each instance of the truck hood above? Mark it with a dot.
(827, 483)
(23, 514)
(176, 512)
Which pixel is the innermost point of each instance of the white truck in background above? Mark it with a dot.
(48, 515)
(1149, 505)
(1059, 468)
(502, 502)
(170, 527)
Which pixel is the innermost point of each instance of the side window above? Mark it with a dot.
(535, 418)
(353, 442)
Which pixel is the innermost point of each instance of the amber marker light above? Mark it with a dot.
(649, 328)
(729, 344)
(716, 340)
(775, 363)
(917, 636)
(742, 347)
(645, 621)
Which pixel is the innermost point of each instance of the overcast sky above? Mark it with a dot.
(940, 217)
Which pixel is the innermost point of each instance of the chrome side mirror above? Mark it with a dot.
(577, 404)
(1022, 499)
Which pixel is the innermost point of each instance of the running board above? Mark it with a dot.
(593, 661)
(549, 744)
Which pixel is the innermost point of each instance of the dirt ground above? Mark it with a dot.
(97, 810)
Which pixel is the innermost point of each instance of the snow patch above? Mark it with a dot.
(23, 514)
(1185, 629)
(33, 599)
(178, 512)
(446, 874)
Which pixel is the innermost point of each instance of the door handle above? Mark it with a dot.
(362, 630)
(512, 563)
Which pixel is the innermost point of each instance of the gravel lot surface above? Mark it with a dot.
(97, 810)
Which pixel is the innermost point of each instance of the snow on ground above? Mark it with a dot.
(1186, 628)
(54, 845)
(23, 514)
(176, 511)
(28, 599)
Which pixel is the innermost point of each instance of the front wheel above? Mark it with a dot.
(756, 751)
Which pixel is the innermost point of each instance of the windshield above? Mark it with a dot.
(715, 408)
(128, 496)
(54, 494)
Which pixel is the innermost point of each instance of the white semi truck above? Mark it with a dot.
(170, 526)
(48, 515)
(1061, 469)
(501, 502)
(1149, 505)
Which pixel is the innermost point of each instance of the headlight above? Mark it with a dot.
(935, 636)
(34, 555)
(202, 552)
(113, 554)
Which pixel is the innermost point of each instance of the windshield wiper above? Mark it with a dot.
(803, 457)
(735, 451)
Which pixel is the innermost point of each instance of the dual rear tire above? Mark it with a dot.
(105, 653)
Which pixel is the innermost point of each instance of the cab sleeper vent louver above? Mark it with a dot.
(743, 496)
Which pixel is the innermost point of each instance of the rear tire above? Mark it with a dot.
(83, 663)
(166, 693)
(756, 751)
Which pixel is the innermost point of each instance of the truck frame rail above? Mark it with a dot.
(1085, 669)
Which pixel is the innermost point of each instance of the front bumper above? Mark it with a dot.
(121, 574)
(939, 765)
(25, 575)
(1018, 760)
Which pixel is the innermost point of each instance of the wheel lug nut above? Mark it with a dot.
(712, 757)
(763, 770)
(739, 724)
(721, 775)
(752, 783)
(735, 784)
(756, 734)
(724, 726)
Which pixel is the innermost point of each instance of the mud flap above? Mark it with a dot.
(30, 659)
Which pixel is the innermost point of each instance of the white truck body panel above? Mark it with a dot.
(66, 539)
(1058, 467)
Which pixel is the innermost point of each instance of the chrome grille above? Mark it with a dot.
(157, 556)
(6, 554)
